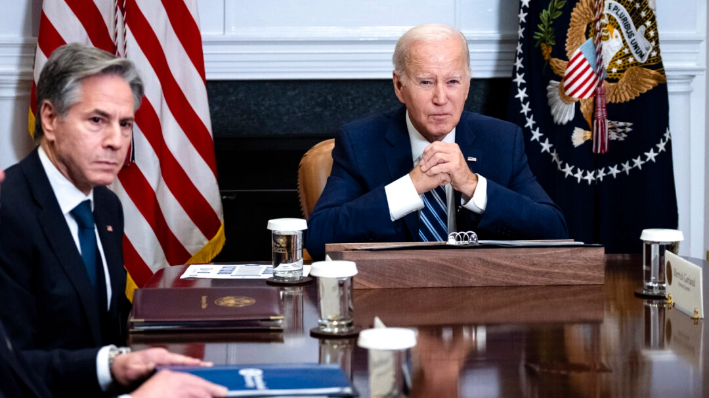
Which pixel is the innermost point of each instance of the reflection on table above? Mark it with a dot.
(580, 341)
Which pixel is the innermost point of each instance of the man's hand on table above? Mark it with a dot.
(136, 366)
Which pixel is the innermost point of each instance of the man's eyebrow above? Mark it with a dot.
(100, 113)
(107, 115)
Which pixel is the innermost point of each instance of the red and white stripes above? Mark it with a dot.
(169, 193)
(580, 80)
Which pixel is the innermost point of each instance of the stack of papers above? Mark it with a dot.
(232, 271)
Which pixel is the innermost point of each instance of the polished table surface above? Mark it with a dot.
(571, 341)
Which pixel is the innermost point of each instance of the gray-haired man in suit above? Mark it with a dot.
(62, 281)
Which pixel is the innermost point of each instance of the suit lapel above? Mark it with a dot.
(60, 239)
(465, 137)
(398, 158)
(114, 264)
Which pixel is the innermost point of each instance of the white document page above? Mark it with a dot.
(232, 271)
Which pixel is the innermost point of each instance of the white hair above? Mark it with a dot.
(426, 32)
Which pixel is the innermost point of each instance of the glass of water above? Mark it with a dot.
(335, 295)
(655, 243)
(287, 247)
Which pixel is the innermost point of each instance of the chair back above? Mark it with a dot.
(313, 171)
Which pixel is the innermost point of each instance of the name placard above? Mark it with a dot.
(684, 285)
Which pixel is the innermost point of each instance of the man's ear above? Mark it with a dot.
(398, 86)
(50, 118)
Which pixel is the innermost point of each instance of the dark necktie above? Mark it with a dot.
(87, 237)
(94, 265)
(433, 221)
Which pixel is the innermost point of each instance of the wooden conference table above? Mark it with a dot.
(570, 341)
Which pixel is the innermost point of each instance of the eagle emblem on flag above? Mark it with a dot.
(629, 47)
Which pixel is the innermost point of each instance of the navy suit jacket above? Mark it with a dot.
(373, 152)
(16, 377)
(19, 379)
(49, 304)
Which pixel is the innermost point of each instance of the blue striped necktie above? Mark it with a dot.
(433, 221)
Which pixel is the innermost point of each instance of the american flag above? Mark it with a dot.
(169, 188)
(580, 79)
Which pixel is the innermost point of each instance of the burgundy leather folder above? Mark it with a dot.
(214, 308)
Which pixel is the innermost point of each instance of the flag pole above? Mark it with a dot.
(600, 122)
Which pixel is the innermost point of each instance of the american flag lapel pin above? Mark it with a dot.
(472, 159)
(109, 228)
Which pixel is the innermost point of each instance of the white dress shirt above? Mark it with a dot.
(401, 194)
(69, 196)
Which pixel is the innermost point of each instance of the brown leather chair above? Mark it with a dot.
(314, 168)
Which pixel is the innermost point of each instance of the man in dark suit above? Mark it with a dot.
(430, 168)
(20, 379)
(63, 283)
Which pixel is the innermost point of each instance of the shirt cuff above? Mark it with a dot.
(479, 201)
(103, 372)
(402, 198)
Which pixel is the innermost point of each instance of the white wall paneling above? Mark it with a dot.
(688, 179)
(16, 60)
(321, 39)
(276, 39)
(683, 35)
(346, 57)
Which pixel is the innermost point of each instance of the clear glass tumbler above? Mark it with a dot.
(287, 247)
(655, 243)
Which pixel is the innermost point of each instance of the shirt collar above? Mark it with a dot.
(419, 142)
(67, 194)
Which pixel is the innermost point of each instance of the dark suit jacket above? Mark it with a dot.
(19, 379)
(47, 298)
(373, 152)
(16, 377)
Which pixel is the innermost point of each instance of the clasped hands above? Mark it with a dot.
(443, 163)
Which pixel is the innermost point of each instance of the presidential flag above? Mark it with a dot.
(169, 188)
(609, 197)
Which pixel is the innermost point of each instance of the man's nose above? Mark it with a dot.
(113, 137)
(439, 94)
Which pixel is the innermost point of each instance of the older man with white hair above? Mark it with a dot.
(430, 168)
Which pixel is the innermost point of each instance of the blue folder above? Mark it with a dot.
(266, 380)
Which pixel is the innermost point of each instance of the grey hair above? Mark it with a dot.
(426, 32)
(61, 77)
